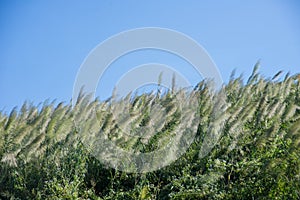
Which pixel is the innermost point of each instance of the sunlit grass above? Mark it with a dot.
(43, 155)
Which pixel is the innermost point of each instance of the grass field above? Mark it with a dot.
(43, 155)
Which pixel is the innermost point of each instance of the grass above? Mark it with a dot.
(44, 156)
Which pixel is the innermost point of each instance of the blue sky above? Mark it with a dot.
(43, 43)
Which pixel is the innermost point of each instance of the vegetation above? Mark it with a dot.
(43, 155)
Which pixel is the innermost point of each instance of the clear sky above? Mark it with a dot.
(43, 43)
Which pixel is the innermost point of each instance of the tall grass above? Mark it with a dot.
(257, 154)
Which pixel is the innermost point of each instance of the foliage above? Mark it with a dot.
(257, 156)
